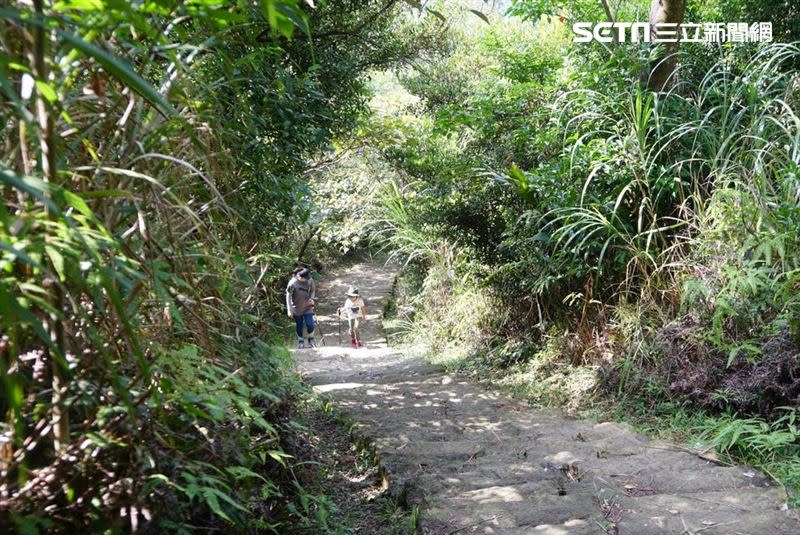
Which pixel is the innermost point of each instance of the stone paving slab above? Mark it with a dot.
(476, 461)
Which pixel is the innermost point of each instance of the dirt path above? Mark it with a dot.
(479, 462)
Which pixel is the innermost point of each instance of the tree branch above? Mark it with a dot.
(357, 30)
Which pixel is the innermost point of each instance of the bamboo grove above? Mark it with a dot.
(152, 179)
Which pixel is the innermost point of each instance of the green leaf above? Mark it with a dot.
(57, 260)
(249, 318)
(155, 481)
(121, 69)
(296, 15)
(47, 91)
(33, 186)
(11, 309)
(15, 394)
(16, 66)
(30, 524)
(78, 203)
(240, 472)
(270, 12)
(114, 65)
(279, 456)
(82, 5)
(210, 496)
(20, 254)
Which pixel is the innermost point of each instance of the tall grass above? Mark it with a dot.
(450, 310)
(652, 236)
(686, 161)
(678, 205)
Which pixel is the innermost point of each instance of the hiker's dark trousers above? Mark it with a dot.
(308, 317)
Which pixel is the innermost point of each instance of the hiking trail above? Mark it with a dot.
(477, 461)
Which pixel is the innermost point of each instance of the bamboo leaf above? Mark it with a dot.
(121, 69)
(57, 259)
(437, 14)
(480, 15)
(296, 15)
(114, 65)
(47, 91)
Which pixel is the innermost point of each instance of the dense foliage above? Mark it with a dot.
(153, 186)
(566, 223)
(166, 163)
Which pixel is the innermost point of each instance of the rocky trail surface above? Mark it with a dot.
(476, 461)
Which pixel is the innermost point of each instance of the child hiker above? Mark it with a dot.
(300, 294)
(355, 312)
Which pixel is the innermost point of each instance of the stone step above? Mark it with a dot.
(476, 461)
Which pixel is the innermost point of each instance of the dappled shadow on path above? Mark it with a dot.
(479, 462)
(374, 281)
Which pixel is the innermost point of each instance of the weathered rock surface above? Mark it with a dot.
(476, 461)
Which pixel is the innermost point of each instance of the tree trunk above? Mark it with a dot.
(665, 11)
(306, 243)
(607, 10)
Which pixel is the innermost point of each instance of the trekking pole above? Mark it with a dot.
(339, 316)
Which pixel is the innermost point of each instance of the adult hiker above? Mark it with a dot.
(300, 295)
(355, 312)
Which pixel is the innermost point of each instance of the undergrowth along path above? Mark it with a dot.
(476, 461)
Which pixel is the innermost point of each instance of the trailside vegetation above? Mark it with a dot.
(592, 240)
(153, 184)
(568, 224)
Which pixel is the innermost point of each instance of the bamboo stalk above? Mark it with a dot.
(48, 161)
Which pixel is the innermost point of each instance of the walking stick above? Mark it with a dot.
(339, 316)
